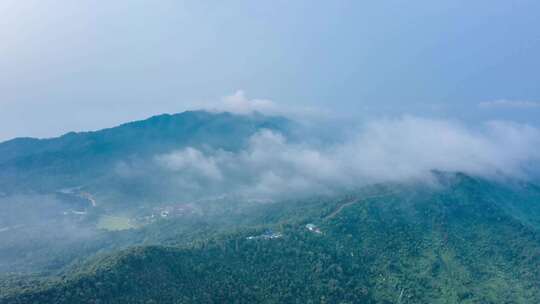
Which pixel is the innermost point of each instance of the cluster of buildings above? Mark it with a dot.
(174, 210)
(267, 235)
(168, 211)
(313, 228)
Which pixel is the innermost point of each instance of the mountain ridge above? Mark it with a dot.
(91, 153)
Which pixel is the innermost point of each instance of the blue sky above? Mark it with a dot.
(83, 65)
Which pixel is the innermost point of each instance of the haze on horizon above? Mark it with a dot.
(86, 65)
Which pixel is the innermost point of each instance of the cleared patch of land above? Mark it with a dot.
(115, 223)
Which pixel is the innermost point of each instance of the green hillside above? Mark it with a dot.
(453, 243)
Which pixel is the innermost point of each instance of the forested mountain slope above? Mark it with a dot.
(458, 242)
(76, 159)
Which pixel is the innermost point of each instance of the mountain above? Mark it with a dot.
(62, 199)
(89, 218)
(458, 242)
(77, 158)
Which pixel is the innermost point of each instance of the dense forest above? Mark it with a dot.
(464, 241)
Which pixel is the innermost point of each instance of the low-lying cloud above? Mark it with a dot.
(404, 149)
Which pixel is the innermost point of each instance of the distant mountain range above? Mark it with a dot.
(73, 232)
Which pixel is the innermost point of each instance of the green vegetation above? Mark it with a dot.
(463, 240)
(393, 244)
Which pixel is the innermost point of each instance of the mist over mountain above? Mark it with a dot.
(94, 152)
(404, 209)
(370, 152)
(254, 149)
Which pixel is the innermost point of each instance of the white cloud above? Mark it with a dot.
(238, 103)
(402, 149)
(191, 161)
(504, 103)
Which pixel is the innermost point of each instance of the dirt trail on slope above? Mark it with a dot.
(341, 207)
(354, 201)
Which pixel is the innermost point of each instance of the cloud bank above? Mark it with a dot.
(388, 150)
